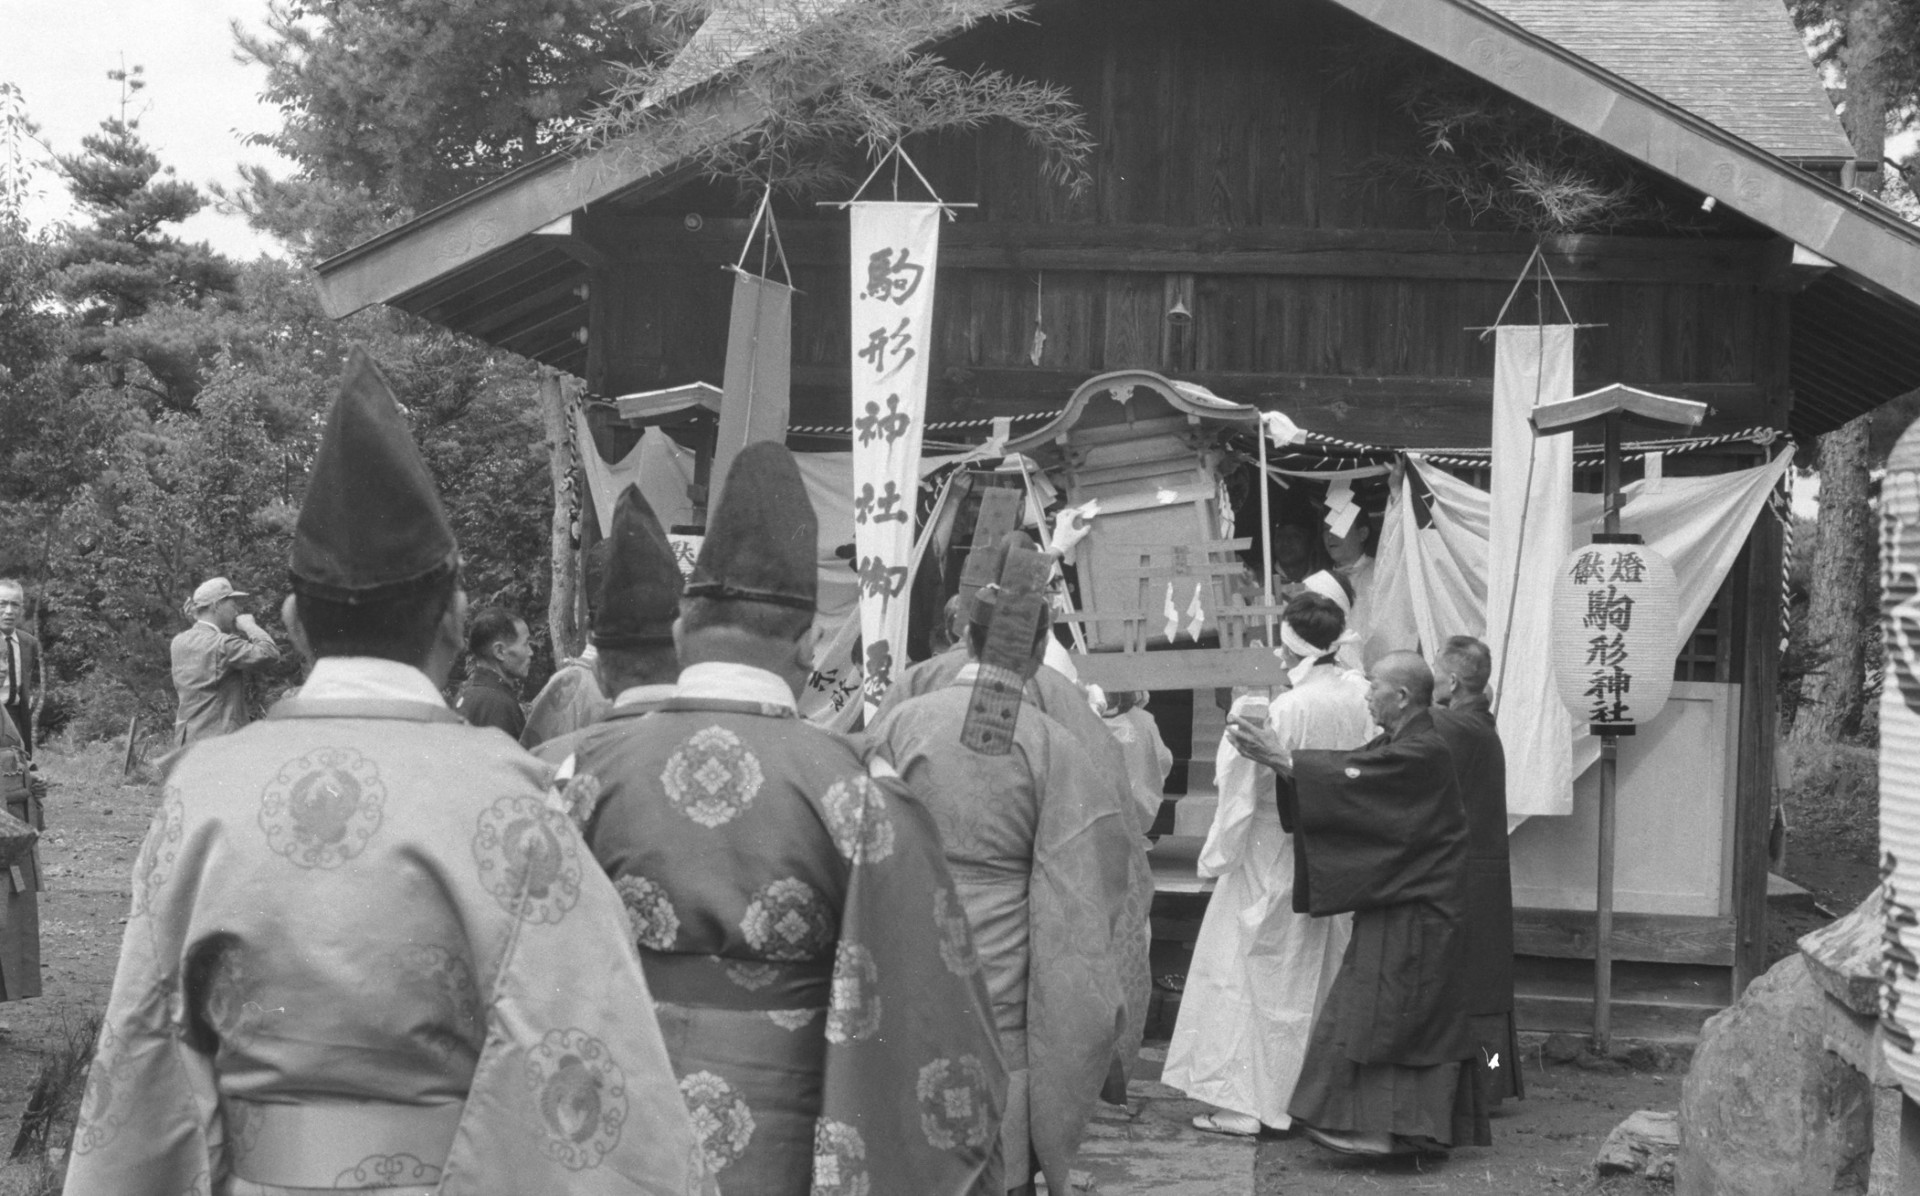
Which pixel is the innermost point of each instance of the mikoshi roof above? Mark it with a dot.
(1728, 115)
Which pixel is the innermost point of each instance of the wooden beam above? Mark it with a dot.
(1404, 411)
(1760, 627)
(539, 340)
(487, 320)
(1654, 1021)
(1791, 267)
(501, 213)
(477, 281)
(1278, 251)
(559, 234)
(1645, 938)
(1198, 668)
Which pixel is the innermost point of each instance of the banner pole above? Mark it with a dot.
(1266, 533)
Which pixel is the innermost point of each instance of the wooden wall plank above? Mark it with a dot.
(1649, 1021)
(1649, 938)
(1195, 248)
(1136, 323)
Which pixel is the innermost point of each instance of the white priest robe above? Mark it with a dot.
(1260, 971)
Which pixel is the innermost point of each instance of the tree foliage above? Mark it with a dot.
(824, 88)
(1503, 162)
(407, 103)
(138, 291)
(159, 407)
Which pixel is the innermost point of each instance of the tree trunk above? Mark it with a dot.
(563, 617)
(1837, 607)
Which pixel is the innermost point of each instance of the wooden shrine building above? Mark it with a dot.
(1245, 176)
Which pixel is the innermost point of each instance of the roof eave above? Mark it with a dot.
(1876, 247)
(496, 214)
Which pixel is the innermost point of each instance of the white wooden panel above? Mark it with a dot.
(1676, 802)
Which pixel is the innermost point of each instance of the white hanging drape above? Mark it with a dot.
(1433, 583)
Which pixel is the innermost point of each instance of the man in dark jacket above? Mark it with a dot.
(1380, 831)
(1463, 715)
(499, 657)
(21, 680)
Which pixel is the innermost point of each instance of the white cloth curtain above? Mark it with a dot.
(1433, 581)
(662, 469)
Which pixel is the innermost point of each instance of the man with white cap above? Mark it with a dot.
(1260, 969)
(1337, 589)
(211, 660)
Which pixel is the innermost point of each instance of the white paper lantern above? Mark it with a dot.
(1900, 761)
(1615, 632)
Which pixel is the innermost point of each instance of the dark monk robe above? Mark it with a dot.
(1480, 766)
(1380, 831)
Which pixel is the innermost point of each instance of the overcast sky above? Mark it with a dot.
(197, 105)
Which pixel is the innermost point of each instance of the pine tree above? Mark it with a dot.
(132, 284)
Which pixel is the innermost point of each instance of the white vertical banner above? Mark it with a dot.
(1529, 531)
(895, 248)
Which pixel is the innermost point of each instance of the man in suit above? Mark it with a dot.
(22, 683)
(1463, 714)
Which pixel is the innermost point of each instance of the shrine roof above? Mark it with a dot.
(1728, 114)
(1740, 64)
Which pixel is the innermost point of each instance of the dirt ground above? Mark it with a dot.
(1544, 1144)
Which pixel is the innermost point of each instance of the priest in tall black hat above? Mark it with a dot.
(366, 951)
(1042, 850)
(636, 598)
(821, 994)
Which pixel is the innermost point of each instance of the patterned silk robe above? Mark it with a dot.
(818, 986)
(571, 699)
(1061, 699)
(367, 951)
(1042, 856)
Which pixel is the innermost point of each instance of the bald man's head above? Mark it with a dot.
(1400, 685)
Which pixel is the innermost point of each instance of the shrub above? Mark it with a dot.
(1832, 794)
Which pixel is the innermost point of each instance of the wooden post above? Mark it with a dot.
(563, 623)
(128, 757)
(1266, 532)
(1609, 776)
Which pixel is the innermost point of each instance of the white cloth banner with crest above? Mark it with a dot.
(895, 248)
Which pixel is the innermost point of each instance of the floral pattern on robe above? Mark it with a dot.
(1042, 856)
(366, 952)
(824, 1008)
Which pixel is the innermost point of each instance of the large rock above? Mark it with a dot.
(1766, 1110)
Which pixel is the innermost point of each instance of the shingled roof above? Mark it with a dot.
(1738, 63)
